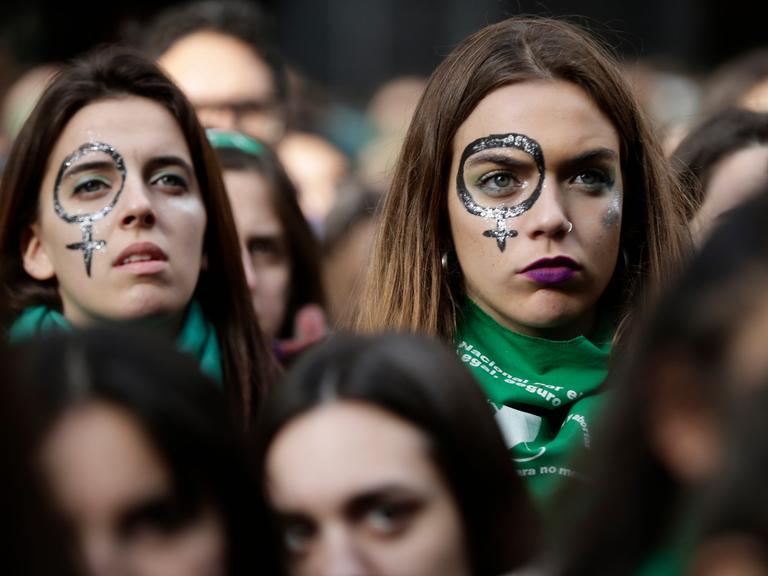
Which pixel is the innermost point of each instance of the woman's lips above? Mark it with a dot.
(142, 258)
(551, 271)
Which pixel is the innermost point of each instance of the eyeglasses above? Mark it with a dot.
(263, 119)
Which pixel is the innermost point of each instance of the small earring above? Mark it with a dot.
(444, 261)
(570, 227)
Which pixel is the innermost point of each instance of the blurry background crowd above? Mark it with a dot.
(331, 84)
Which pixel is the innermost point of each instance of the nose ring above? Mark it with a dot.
(570, 227)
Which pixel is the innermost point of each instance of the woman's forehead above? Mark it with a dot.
(560, 116)
(136, 127)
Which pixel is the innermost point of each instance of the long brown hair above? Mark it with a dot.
(221, 289)
(406, 288)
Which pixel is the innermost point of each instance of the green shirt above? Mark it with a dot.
(546, 393)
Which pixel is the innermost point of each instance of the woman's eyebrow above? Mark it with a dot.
(497, 158)
(162, 161)
(588, 157)
(89, 166)
(364, 500)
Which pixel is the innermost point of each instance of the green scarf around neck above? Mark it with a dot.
(546, 393)
(197, 336)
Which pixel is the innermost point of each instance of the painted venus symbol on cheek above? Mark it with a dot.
(111, 163)
(501, 213)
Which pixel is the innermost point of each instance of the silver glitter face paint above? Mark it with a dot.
(88, 245)
(613, 214)
(500, 213)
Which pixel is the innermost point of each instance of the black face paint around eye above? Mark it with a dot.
(501, 213)
(88, 245)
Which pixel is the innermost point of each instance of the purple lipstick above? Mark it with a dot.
(551, 271)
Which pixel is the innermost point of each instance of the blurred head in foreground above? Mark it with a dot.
(380, 456)
(139, 455)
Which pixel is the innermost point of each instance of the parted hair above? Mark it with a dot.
(406, 287)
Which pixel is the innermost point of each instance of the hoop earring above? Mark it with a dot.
(444, 261)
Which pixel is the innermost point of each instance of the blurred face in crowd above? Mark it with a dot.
(120, 221)
(733, 179)
(117, 495)
(316, 167)
(263, 245)
(535, 206)
(756, 97)
(356, 492)
(230, 86)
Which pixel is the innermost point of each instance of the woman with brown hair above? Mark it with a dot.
(280, 254)
(112, 207)
(530, 209)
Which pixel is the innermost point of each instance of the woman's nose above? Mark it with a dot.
(101, 554)
(339, 556)
(137, 210)
(547, 217)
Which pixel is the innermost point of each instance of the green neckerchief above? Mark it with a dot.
(545, 393)
(197, 336)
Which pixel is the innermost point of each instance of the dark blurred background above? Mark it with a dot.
(352, 46)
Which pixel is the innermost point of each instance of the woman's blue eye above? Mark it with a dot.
(90, 186)
(170, 180)
(593, 179)
(498, 183)
(390, 518)
(298, 536)
(382, 519)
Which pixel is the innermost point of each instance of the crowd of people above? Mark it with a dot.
(518, 329)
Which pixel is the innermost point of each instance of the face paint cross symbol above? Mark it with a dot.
(501, 213)
(90, 198)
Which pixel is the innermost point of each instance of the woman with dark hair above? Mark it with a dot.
(379, 455)
(281, 257)
(703, 348)
(531, 210)
(139, 455)
(112, 208)
(722, 162)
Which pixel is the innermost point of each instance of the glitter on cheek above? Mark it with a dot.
(612, 216)
(88, 245)
(191, 204)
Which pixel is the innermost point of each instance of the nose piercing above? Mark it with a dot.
(570, 227)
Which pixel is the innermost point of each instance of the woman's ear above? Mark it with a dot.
(34, 255)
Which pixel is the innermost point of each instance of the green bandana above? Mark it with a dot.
(546, 393)
(197, 336)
